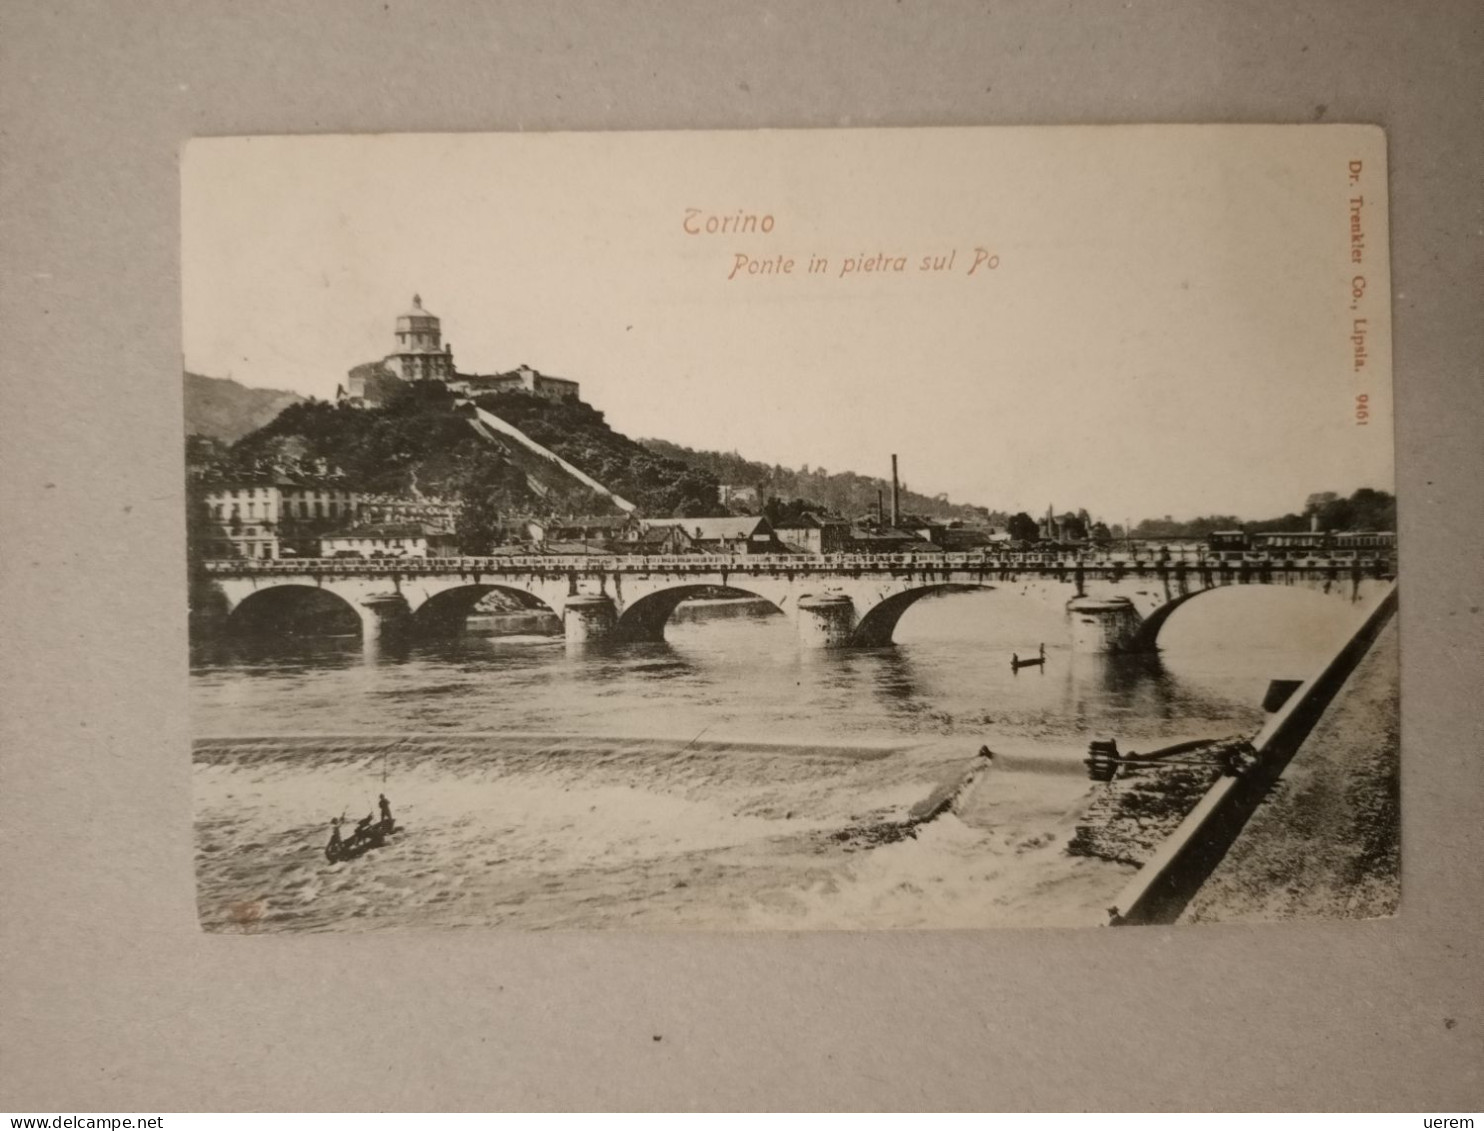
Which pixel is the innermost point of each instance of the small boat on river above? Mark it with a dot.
(369, 833)
(1037, 661)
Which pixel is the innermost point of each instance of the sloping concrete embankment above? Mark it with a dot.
(1166, 886)
(486, 422)
(1327, 842)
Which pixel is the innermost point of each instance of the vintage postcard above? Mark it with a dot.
(798, 529)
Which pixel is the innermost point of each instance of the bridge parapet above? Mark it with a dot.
(1093, 565)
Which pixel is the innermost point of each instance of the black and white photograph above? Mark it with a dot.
(790, 530)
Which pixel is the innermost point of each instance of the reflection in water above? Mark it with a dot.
(736, 669)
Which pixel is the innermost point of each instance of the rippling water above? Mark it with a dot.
(736, 671)
(699, 810)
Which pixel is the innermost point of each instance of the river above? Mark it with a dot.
(707, 781)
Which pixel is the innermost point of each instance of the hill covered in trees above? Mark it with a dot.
(226, 410)
(422, 440)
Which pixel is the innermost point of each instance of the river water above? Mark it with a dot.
(705, 781)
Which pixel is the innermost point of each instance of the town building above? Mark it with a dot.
(738, 495)
(1067, 527)
(284, 508)
(659, 541)
(957, 539)
(420, 354)
(731, 534)
(873, 539)
(816, 534)
(256, 517)
(389, 540)
(440, 514)
(606, 530)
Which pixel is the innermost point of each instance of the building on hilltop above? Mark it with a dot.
(421, 354)
(521, 380)
(370, 384)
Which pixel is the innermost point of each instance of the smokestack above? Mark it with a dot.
(880, 509)
(896, 499)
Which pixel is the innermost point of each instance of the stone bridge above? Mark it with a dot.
(1115, 602)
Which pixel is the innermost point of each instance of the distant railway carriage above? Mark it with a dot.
(1372, 541)
(1290, 541)
(1224, 543)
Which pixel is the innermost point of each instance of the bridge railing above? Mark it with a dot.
(799, 563)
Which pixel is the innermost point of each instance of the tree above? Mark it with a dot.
(487, 488)
(1073, 527)
(204, 599)
(1022, 527)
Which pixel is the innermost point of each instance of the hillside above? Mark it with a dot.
(225, 410)
(661, 486)
(423, 440)
(844, 492)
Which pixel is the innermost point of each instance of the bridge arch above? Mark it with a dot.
(876, 627)
(1354, 589)
(445, 611)
(644, 618)
(295, 610)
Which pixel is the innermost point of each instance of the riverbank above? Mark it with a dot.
(1326, 843)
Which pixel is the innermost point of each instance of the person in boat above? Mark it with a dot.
(386, 809)
(334, 846)
(363, 826)
(1043, 651)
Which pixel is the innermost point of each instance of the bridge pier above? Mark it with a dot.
(382, 615)
(589, 618)
(1103, 624)
(826, 620)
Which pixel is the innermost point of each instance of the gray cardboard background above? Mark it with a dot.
(110, 998)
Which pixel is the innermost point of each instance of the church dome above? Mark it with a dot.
(417, 318)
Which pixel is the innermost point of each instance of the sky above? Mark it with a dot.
(1164, 328)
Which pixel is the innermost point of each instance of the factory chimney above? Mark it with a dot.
(896, 499)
